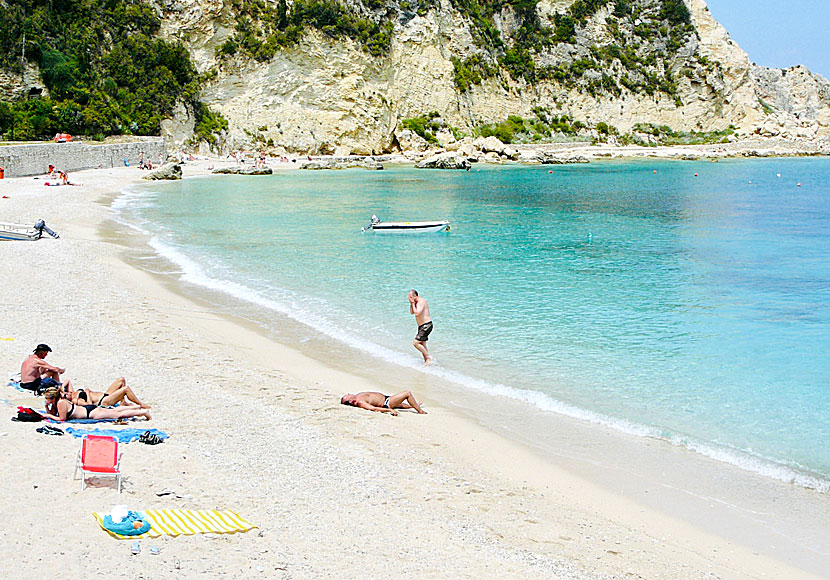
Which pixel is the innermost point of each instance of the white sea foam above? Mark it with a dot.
(191, 271)
(194, 273)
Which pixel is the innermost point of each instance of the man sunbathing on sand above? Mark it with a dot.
(117, 392)
(36, 374)
(380, 403)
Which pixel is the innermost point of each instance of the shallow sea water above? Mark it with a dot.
(691, 309)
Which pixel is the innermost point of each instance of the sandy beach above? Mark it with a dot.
(256, 427)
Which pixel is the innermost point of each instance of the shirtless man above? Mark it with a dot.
(36, 374)
(380, 403)
(419, 307)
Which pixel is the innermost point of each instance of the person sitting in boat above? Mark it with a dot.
(60, 409)
(117, 393)
(37, 375)
(380, 403)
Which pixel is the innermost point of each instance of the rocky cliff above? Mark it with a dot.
(623, 63)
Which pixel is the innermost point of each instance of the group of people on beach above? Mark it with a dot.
(146, 163)
(62, 176)
(380, 403)
(63, 403)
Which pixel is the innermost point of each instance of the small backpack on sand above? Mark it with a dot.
(27, 415)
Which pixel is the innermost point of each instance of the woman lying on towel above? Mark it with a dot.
(117, 392)
(60, 409)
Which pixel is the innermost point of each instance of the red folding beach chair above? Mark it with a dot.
(98, 457)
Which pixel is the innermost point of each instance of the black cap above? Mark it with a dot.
(42, 346)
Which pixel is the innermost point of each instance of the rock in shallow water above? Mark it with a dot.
(548, 158)
(169, 171)
(448, 160)
(245, 170)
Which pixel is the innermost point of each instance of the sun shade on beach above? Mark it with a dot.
(178, 522)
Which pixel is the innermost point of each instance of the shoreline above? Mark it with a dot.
(533, 513)
(471, 149)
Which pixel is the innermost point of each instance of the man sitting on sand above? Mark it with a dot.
(37, 375)
(374, 401)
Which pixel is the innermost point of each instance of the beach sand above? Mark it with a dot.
(256, 427)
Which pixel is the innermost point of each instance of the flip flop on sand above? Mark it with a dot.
(150, 438)
(135, 548)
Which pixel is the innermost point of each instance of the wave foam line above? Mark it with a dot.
(194, 273)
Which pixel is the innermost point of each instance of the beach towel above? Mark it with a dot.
(120, 435)
(14, 382)
(177, 522)
(16, 386)
(90, 420)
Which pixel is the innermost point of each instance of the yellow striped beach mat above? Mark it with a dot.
(176, 522)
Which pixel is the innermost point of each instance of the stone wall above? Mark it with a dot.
(34, 159)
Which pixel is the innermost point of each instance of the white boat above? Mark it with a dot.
(407, 227)
(21, 232)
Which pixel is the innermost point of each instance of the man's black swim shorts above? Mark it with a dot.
(423, 332)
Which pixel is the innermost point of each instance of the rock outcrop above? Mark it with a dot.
(342, 163)
(446, 160)
(243, 170)
(170, 171)
(551, 158)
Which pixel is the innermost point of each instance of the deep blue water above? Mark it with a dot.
(696, 309)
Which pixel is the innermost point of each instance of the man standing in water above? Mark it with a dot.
(419, 307)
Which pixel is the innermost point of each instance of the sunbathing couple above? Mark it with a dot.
(380, 403)
(61, 406)
(63, 403)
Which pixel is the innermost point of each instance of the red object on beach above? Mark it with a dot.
(2, 173)
(63, 138)
(99, 457)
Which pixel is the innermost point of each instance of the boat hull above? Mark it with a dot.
(18, 232)
(410, 227)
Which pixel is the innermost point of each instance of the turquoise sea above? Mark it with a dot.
(628, 293)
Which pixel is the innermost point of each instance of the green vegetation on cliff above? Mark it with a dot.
(424, 126)
(638, 53)
(663, 135)
(105, 69)
(645, 37)
(544, 127)
(263, 28)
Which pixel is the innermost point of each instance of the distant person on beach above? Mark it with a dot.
(419, 307)
(380, 403)
(117, 392)
(60, 409)
(37, 375)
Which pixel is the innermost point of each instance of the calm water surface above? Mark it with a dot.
(695, 309)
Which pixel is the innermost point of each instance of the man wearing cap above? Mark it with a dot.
(36, 374)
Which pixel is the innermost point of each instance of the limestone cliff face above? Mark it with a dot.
(327, 95)
(15, 86)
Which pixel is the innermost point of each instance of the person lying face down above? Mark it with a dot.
(380, 403)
